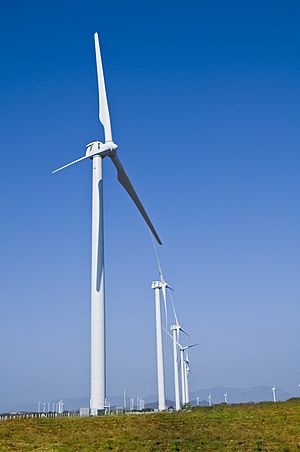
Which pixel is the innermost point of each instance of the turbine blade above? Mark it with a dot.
(193, 345)
(169, 334)
(173, 308)
(103, 105)
(125, 181)
(165, 305)
(181, 329)
(69, 164)
(161, 277)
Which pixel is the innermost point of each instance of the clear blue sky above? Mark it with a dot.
(204, 99)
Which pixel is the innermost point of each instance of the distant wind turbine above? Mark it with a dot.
(274, 393)
(185, 370)
(209, 399)
(175, 329)
(97, 151)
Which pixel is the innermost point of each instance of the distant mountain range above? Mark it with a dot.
(242, 395)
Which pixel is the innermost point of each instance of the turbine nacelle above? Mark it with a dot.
(103, 149)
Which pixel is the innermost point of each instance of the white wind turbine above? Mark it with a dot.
(175, 337)
(274, 393)
(163, 285)
(209, 399)
(158, 286)
(97, 151)
(185, 370)
(186, 373)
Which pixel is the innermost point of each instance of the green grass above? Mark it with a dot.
(264, 426)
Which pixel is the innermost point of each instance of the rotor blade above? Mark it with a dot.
(103, 105)
(180, 346)
(165, 304)
(190, 346)
(161, 277)
(169, 334)
(181, 329)
(69, 164)
(125, 181)
(173, 308)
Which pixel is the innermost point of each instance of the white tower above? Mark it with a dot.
(274, 393)
(174, 329)
(157, 286)
(182, 368)
(187, 371)
(209, 399)
(225, 397)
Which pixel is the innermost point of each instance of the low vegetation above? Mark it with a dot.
(264, 426)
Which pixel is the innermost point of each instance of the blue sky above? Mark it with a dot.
(204, 100)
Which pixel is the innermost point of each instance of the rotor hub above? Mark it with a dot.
(99, 148)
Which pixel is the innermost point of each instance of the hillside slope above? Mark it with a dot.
(265, 426)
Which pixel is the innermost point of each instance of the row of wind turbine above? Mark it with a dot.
(184, 362)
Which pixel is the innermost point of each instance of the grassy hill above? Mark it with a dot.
(264, 426)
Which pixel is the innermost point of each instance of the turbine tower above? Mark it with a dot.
(157, 286)
(209, 399)
(97, 151)
(175, 364)
(274, 393)
(225, 397)
(187, 371)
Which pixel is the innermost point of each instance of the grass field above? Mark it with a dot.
(264, 426)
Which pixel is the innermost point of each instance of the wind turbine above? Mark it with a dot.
(225, 397)
(97, 151)
(185, 370)
(209, 399)
(158, 286)
(274, 393)
(163, 285)
(175, 336)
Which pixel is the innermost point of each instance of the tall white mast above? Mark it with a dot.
(209, 399)
(274, 393)
(98, 358)
(225, 397)
(182, 366)
(157, 286)
(124, 399)
(187, 370)
(174, 330)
